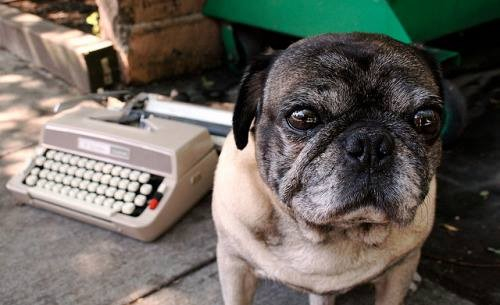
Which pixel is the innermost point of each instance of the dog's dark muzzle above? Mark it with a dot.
(368, 148)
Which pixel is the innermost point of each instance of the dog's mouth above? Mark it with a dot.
(367, 215)
(358, 222)
(349, 222)
(373, 204)
(349, 201)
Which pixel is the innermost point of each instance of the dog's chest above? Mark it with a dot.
(331, 265)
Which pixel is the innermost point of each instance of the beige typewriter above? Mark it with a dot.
(132, 180)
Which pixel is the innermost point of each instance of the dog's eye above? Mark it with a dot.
(302, 119)
(428, 123)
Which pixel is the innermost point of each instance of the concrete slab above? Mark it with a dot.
(202, 287)
(49, 259)
(19, 134)
(26, 99)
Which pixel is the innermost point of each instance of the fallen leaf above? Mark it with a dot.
(93, 20)
(450, 228)
(493, 250)
(206, 83)
(485, 194)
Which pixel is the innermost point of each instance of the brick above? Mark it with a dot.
(156, 39)
(150, 10)
(173, 50)
(137, 11)
(84, 60)
(11, 34)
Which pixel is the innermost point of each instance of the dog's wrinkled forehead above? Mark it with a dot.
(351, 70)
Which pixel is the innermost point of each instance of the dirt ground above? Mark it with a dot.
(64, 12)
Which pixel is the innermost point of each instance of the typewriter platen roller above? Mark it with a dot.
(136, 181)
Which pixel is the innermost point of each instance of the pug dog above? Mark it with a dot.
(328, 178)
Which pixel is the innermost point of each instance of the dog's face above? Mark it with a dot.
(346, 127)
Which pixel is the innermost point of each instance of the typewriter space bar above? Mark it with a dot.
(70, 203)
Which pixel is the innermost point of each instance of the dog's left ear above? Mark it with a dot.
(432, 63)
(250, 96)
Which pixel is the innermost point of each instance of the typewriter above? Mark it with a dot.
(135, 180)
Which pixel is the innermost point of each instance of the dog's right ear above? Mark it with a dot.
(433, 65)
(250, 96)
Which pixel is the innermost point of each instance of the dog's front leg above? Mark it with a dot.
(238, 281)
(392, 287)
(315, 299)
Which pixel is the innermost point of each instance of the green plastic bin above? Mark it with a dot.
(404, 20)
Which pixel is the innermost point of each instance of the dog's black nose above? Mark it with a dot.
(369, 148)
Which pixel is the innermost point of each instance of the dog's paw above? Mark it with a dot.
(315, 299)
(415, 282)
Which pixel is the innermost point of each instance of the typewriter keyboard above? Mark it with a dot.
(90, 185)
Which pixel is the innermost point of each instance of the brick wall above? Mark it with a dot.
(159, 38)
